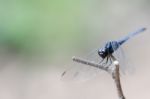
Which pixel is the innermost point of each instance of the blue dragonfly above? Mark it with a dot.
(111, 46)
(103, 56)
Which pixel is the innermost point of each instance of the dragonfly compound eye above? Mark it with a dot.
(102, 53)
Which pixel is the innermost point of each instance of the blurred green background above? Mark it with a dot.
(57, 29)
(44, 28)
(39, 37)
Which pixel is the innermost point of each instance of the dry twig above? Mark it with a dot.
(116, 77)
(114, 72)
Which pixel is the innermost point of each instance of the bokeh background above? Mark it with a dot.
(39, 37)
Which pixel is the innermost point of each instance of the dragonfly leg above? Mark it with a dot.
(107, 59)
(104, 64)
(110, 60)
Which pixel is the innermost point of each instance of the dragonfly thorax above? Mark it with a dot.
(108, 49)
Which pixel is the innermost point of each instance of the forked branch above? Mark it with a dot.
(114, 72)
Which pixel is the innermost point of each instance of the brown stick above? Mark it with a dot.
(115, 72)
(116, 77)
(90, 63)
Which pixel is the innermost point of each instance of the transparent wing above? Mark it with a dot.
(125, 65)
(81, 72)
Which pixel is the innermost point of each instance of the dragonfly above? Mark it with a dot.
(103, 56)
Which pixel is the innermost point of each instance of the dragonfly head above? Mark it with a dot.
(108, 49)
(102, 53)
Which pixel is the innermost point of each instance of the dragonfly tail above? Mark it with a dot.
(123, 40)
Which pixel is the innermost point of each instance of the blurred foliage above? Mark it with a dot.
(39, 26)
(56, 28)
